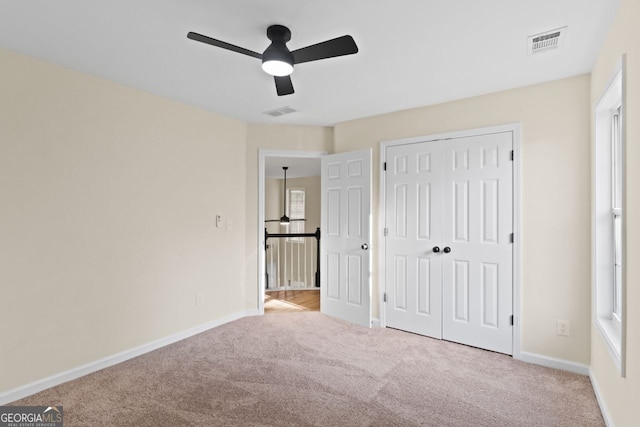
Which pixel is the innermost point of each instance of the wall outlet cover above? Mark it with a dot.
(562, 328)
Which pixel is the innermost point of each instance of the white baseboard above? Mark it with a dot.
(603, 406)
(375, 323)
(552, 362)
(74, 373)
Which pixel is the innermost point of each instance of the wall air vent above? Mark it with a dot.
(280, 111)
(547, 41)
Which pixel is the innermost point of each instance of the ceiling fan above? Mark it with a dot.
(284, 219)
(278, 60)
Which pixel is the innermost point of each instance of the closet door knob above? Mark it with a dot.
(447, 249)
(436, 249)
(364, 246)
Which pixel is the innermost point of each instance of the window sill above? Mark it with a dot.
(611, 334)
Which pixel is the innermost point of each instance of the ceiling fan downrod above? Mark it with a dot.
(284, 220)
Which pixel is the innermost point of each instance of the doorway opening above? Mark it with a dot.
(289, 241)
(345, 212)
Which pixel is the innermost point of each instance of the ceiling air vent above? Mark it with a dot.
(547, 41)
(280, 111)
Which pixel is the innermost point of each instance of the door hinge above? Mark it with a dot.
(511, 320)
(385, 232)
(511, 237)
(384, 166)
(384, 297)
(512, 155)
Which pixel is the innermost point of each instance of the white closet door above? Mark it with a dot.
(477, 253)
(414, 227)
(449, 256)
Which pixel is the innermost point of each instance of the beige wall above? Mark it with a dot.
(620, 395)
(555, 196)
(272, 137)
(107, 218)
(272, 203)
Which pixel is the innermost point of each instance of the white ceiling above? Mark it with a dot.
(412, 52)
(299, 167)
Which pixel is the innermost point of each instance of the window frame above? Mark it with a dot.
(608, 219)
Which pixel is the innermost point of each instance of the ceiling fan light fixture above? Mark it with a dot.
(277, 60)
(277, 68)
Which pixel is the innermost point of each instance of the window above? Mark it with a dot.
(608, 220)
(296, 211)
(616, 211)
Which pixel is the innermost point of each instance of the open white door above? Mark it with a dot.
(345, 274)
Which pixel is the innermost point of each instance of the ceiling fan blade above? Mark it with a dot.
(284, 86)
(271, 220)
(339, 46)
(208, 40)
(291, 220)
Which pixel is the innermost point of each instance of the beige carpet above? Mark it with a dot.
(306, 369)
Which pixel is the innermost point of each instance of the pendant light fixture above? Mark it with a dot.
(284, 219)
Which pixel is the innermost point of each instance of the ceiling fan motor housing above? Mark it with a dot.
(278, 33)
(277, 50)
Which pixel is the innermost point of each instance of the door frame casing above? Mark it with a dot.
(515, 129)
(262, 155)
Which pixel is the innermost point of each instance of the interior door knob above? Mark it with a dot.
(436, 249)
(364, 246)
(447, 249)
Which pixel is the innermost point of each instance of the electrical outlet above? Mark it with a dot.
(199, 299)
(562, 328)
(218, 221)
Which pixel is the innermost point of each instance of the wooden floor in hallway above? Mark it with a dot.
(292, 301)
